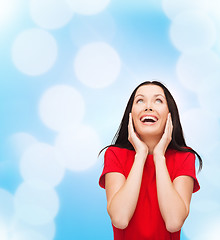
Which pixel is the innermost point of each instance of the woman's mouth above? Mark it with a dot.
(149, 119)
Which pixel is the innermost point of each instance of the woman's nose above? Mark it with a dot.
(149, 109)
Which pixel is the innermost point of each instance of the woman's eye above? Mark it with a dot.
(140, 101)
(159, 100)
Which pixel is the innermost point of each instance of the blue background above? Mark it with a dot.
(147, 40)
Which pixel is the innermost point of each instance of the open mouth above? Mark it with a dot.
(149, 119)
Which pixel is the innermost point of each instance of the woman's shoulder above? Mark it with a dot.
(179, 162)
(118, 150)
(180, 155)
(186, 151)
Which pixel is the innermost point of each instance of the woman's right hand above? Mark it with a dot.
(139, 146)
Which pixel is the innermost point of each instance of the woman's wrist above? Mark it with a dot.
(141, 155)
(159, 157)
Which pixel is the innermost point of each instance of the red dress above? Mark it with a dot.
(147, 222)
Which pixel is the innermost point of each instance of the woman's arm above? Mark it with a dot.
(173, 197)
(122, 194)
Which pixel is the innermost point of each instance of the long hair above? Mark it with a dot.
(178, 141)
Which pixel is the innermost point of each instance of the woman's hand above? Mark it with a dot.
(139, 146)
(162, 145)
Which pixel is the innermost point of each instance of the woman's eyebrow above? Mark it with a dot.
(156, 95)
(139, 95)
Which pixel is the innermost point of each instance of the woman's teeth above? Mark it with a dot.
(148, 119)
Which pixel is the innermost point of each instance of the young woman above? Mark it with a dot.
(149, 171)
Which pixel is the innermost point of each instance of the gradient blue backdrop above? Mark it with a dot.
(142, 40)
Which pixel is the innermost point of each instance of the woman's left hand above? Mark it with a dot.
(162, 145)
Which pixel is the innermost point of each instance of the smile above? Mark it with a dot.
(149, 119)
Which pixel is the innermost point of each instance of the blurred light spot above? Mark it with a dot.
(199, 125)
(3, 231)
(193, 224)
(173, 7)
(61, 107)
(34, 51)
(21, 141)
(206, 194)
(100, 27)
(28, 235)
(217, 43)
(193, 32)
(208, 94)
(193, 70)
(211, 231)
(212, 7)
(6, 206)
(212, 166)
(204, 228)
(40, 163)
(79, 147)
(97, 65)
(36, 206)
(207, 205)
(204, 208)
(50, 14)
(46, 230)
(6, 10)
(88, 7)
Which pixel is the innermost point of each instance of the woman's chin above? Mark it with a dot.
(150, 133)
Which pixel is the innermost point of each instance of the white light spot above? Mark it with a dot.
(206, 205)
(36, 206)
(7, 8)
(34, 51)
(100, 27)
(27, 235)
(193, 32)
(208, 94)
(3, 231)
(97, 65)
(173, 7)
(88, 7)
(21, 228)
(211, 231)
(217, 43)
(6, 206)
(212, 7)
(193, 70)
(203, 227)
(61, 107)
(198, 126)
(212, 166)
(21, 141)
(50, 14)
(47, 230)
(193, 224)
(79, 147)
(40, 163)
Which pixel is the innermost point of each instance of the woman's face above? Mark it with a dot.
(149, 111)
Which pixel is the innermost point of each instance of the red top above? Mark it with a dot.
(147, 222)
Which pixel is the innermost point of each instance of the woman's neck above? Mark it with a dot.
(151, 142)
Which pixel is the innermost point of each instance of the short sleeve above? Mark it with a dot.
(187, 168)
(111, 164)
